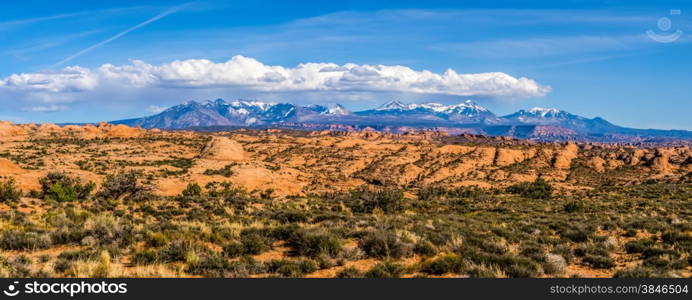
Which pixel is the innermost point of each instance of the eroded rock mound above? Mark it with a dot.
(597, 163)
(563, 159)
(660, 163)
(507, 156)
(48, 129)
(8, 130)
(122, 131)
(223, 148)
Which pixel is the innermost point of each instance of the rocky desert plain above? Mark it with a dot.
(116, 201)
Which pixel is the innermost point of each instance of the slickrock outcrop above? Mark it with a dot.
(597, 163)
(8, 168)
(123, 131)
(563, 159)
(10, 131)
(506, 156)
(223, 148)
(660, 163)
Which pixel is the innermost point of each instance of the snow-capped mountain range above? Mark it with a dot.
(466, 112)
(546, 123)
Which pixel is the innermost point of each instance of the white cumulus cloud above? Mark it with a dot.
(250, 74)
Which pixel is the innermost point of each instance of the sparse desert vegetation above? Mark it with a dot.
(109, 201)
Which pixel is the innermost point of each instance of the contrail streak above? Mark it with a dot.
(119, 35)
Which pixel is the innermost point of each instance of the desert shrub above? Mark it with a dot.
(20, 266)
(534, 251)
(366, 200)
(210, 265)
(384, 244)
(657, 251)
(492, 246)
(538, 189)
(144, 257)
(424, 248)
(291, 216)
(213, 265)
(437, 192)
(68, 234)
(44, 258)
(599, 262)
(680, 239)
(485, 271)
(254, 243)
(192, 190)
(386, 269)
(450, 263)
(156, 239)
(657, 262)
(9, 191)
(516, 266)
(565, 251)
(590, 249)
(638, 246)
(472, 192)
(235, 195)
(178, 250)
(103, 268)
(574, 206)
(226, 171)
(288, 268)
(62, 265)
(105, 229)
(314, 243)
(59, 193)
(636, 272)
(681, 263)
(284, 232)
(512, 266)
(22, 240)
(349, 272)
(117, 186)
(234, 249)
(576, 235)
(326, 262)
(267, 194)
(60, 187)
(83, 254)
(431, 193)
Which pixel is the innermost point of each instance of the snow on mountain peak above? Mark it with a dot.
(337, 109)
(434, 106)
(544, 111)
(263, 106)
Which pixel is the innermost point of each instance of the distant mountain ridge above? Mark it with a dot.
(548, 124)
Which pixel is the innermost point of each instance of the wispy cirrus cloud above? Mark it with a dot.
(13, 23)
(121, 34)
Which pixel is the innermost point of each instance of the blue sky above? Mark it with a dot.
(592, 58)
